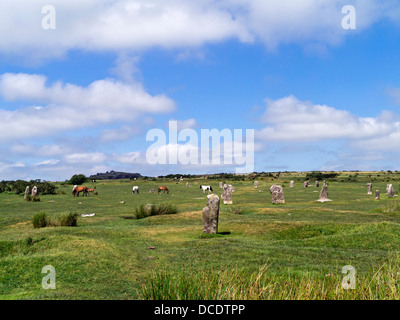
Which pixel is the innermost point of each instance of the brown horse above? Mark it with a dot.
(78, 190)
(162, 188)
(91, 190)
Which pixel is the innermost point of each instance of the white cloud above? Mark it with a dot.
(51, 162)
(69, 106)
(291, 120)
(87, 158)
(141, 24)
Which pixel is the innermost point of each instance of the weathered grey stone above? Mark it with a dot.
(323, 196)
(317, 184)
(377, 195)
(291, 184)
(306, 184)
(26, 192)
(187, 184)
(277, 194)
(211, 214)
(151, 190)
(369, 188)
(220, 185)
(34, 192)
(227, 193)
(390, 190)
(255, 184)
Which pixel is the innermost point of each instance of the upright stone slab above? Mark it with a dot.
(187, 184)
(255, 184)
(211, 214)
(306, 184)
(291, 184)
(390, 191)
(317, 184)
(377, 195)
(34, 192)
(227, 193)
(26, 192)
(220, 185)
(369, 188)
(323, 196)
(277, 194)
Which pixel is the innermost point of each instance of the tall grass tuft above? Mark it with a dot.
(68, 219)
(144, 211)
(40, 220)
(380, 283)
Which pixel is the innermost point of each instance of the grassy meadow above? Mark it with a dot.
(262, 251)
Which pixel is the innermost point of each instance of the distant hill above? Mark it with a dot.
(114, 175)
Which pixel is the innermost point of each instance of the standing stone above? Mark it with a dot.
(277, 194)
(34, 192)
(369, 188)
(323, 196)
(291, 184)
(377, 195)
(324, 184)
(151, 190)
(211, 214)
(306, 184)
(317, 184)
(220, 185)
(255, 184)
(390, 190)
(187, 184)
(227, 193)
(26, 192)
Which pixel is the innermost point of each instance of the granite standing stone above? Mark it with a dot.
(323, 196)
(227, 193)
(390, 191)
(211, 214)
(34, 192)
(369, 188)
(26, 192)
(291, 184)
(255, 184)
(377, 195)
(277, 194)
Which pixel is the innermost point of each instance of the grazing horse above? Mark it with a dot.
(91, 190)
(206, 188)
(135, 189)
(162, 188)
(76, 190)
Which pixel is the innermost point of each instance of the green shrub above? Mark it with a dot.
(144, 211)
(36, 199)
(39, 220)
(68, 219)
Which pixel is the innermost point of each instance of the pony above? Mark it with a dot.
(76, 190)
(135, 189)
(91, 190)
(162, 188)
(206, 188)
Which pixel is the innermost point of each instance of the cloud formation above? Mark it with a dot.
(120, 25)
(67, 106)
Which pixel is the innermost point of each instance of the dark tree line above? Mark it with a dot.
(19, 186)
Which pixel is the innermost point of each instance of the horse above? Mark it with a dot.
(91, 190)
(206, 188)
(76, 190)
(135, 189)
(162, 188)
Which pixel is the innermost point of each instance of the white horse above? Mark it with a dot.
(135, 189)
(207, 188)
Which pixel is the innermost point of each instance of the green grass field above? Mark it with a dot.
(262, 251)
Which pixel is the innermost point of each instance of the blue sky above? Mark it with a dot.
(81, 98)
